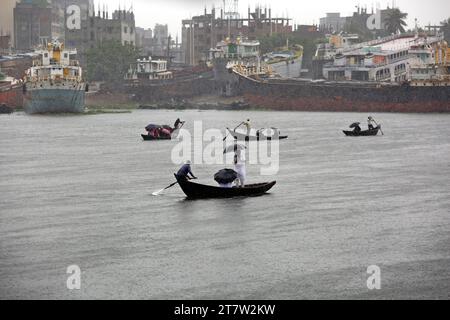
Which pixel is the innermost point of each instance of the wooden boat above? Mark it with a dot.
(259, 135)
(200, 191)
(147, 137)
(371, 132)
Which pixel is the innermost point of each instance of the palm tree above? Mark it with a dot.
(394, 21)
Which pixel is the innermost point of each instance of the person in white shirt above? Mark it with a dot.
(247, 126)
(370, 122)
(239, 167)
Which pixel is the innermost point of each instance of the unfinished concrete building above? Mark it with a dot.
(201, 33)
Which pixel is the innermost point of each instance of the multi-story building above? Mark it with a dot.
(201, 33)
(86, 27)
(144, 39)
(120, 27)
(7, 19)
(333, 22)
(160, 40)
(358, 22)
(36, 23)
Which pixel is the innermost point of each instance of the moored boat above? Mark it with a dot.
(55, 85)
(200, 191)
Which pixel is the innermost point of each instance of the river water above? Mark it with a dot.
(76, 190)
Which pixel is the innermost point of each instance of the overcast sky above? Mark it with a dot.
(171, 12)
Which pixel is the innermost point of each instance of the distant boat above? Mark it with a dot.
(200, 191)
(148, 137)
(370, 132)
(263, 134)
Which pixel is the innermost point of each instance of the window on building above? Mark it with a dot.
(125, 29)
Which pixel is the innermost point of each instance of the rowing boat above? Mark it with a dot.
(370, 132)
(200, 191)
(263, 134)
(148, 137)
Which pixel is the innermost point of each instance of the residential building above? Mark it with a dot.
(36, 23)
(7, 19)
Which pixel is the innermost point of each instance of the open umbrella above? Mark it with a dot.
(354, 125)
(234, 147)
(152, 126)
(225, 176)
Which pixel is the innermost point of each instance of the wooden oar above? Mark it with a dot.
(233, 131)
(157, 193)
(160, 191)
(382, 133)
(228, 133)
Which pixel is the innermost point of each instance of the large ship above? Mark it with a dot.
(55, 83)
(402, 73)
(150, 80)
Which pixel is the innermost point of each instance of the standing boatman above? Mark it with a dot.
(177, 124)
(185, 171)
(369, 123)
(247, 126)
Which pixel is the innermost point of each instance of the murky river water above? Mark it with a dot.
(76, 190)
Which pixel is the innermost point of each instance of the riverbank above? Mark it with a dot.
(108, 102)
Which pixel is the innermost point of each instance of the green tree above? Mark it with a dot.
(394, 21)
(110, 61)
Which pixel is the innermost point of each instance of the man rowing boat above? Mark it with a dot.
(185, 171)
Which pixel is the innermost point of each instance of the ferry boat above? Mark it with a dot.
(55, 83)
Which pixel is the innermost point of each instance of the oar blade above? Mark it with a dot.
(157, 193)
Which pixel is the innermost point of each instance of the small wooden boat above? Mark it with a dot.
(371, 132)
(147, 137)
(200, 191)
(257, 136)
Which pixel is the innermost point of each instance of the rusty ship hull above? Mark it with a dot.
(11, 95)
(346, 97)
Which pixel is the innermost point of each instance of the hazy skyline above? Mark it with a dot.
(171, 12)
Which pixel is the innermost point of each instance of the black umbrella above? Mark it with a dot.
(152, 126)
(225, 176)
(354, 125)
